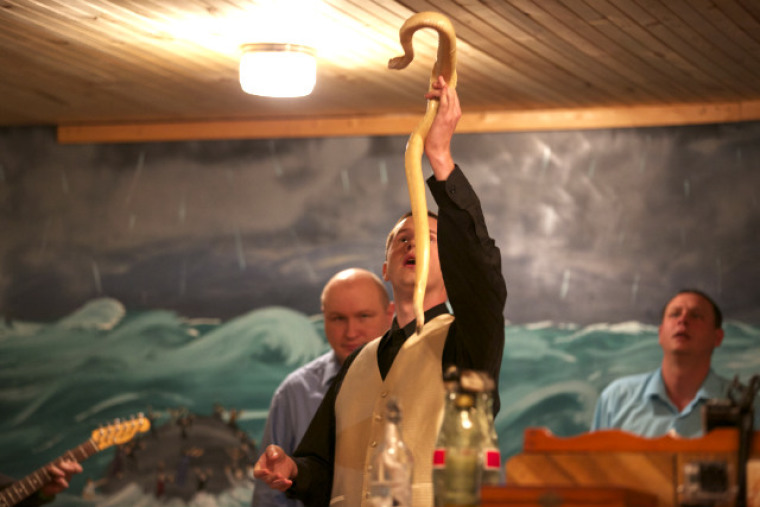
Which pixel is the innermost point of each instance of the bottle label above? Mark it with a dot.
(491, 459)
(439, 459)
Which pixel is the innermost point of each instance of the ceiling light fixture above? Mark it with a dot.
(278, 70)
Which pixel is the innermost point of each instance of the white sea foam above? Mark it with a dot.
(622, 328)
(98, 314)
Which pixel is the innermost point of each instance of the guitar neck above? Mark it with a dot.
(24, 488)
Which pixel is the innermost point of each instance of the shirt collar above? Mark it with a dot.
(710, 388)
(432, 313)
(655, 387)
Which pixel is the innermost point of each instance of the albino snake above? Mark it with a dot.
(445, 66)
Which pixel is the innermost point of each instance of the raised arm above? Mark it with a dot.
(438, 140)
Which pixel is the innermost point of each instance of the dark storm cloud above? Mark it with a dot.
(593, 225)
(620, 218)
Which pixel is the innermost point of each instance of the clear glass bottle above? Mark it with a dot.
(390, 482)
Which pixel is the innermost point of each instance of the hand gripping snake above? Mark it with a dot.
(445, 66)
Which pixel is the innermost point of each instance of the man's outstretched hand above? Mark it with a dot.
(275, 468)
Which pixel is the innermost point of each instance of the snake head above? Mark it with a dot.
(400, 62)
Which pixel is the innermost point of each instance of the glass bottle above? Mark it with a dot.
(462, 471)
(451, 384)
(390, 482)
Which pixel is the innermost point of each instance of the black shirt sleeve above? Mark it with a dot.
(471, 267)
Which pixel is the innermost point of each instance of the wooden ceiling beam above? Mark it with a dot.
(386, 125)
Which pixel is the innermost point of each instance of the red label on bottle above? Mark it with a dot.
(492, 459)
(439, 458)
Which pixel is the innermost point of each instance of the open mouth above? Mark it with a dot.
(410, 261)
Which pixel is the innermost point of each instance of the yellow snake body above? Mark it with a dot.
(445, 66)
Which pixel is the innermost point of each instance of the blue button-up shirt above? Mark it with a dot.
(640, 404)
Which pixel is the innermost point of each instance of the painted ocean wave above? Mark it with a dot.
(60, 381)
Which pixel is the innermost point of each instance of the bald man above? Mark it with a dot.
(356, 309)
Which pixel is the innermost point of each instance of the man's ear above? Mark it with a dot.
(719, 335)
(385, 271)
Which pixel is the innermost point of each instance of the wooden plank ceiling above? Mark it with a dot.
(134, 70)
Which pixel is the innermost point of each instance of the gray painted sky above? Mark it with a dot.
(594, 226)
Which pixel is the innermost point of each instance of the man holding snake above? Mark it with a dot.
(465, 268)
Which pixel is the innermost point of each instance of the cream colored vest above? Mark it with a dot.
(415, 379)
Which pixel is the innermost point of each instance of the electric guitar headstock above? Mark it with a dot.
(119, 431)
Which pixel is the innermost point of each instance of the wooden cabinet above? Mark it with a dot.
(616, 465)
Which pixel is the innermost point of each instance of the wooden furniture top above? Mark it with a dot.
(537, 440)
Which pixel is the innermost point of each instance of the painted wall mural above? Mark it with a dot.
(182, 280)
